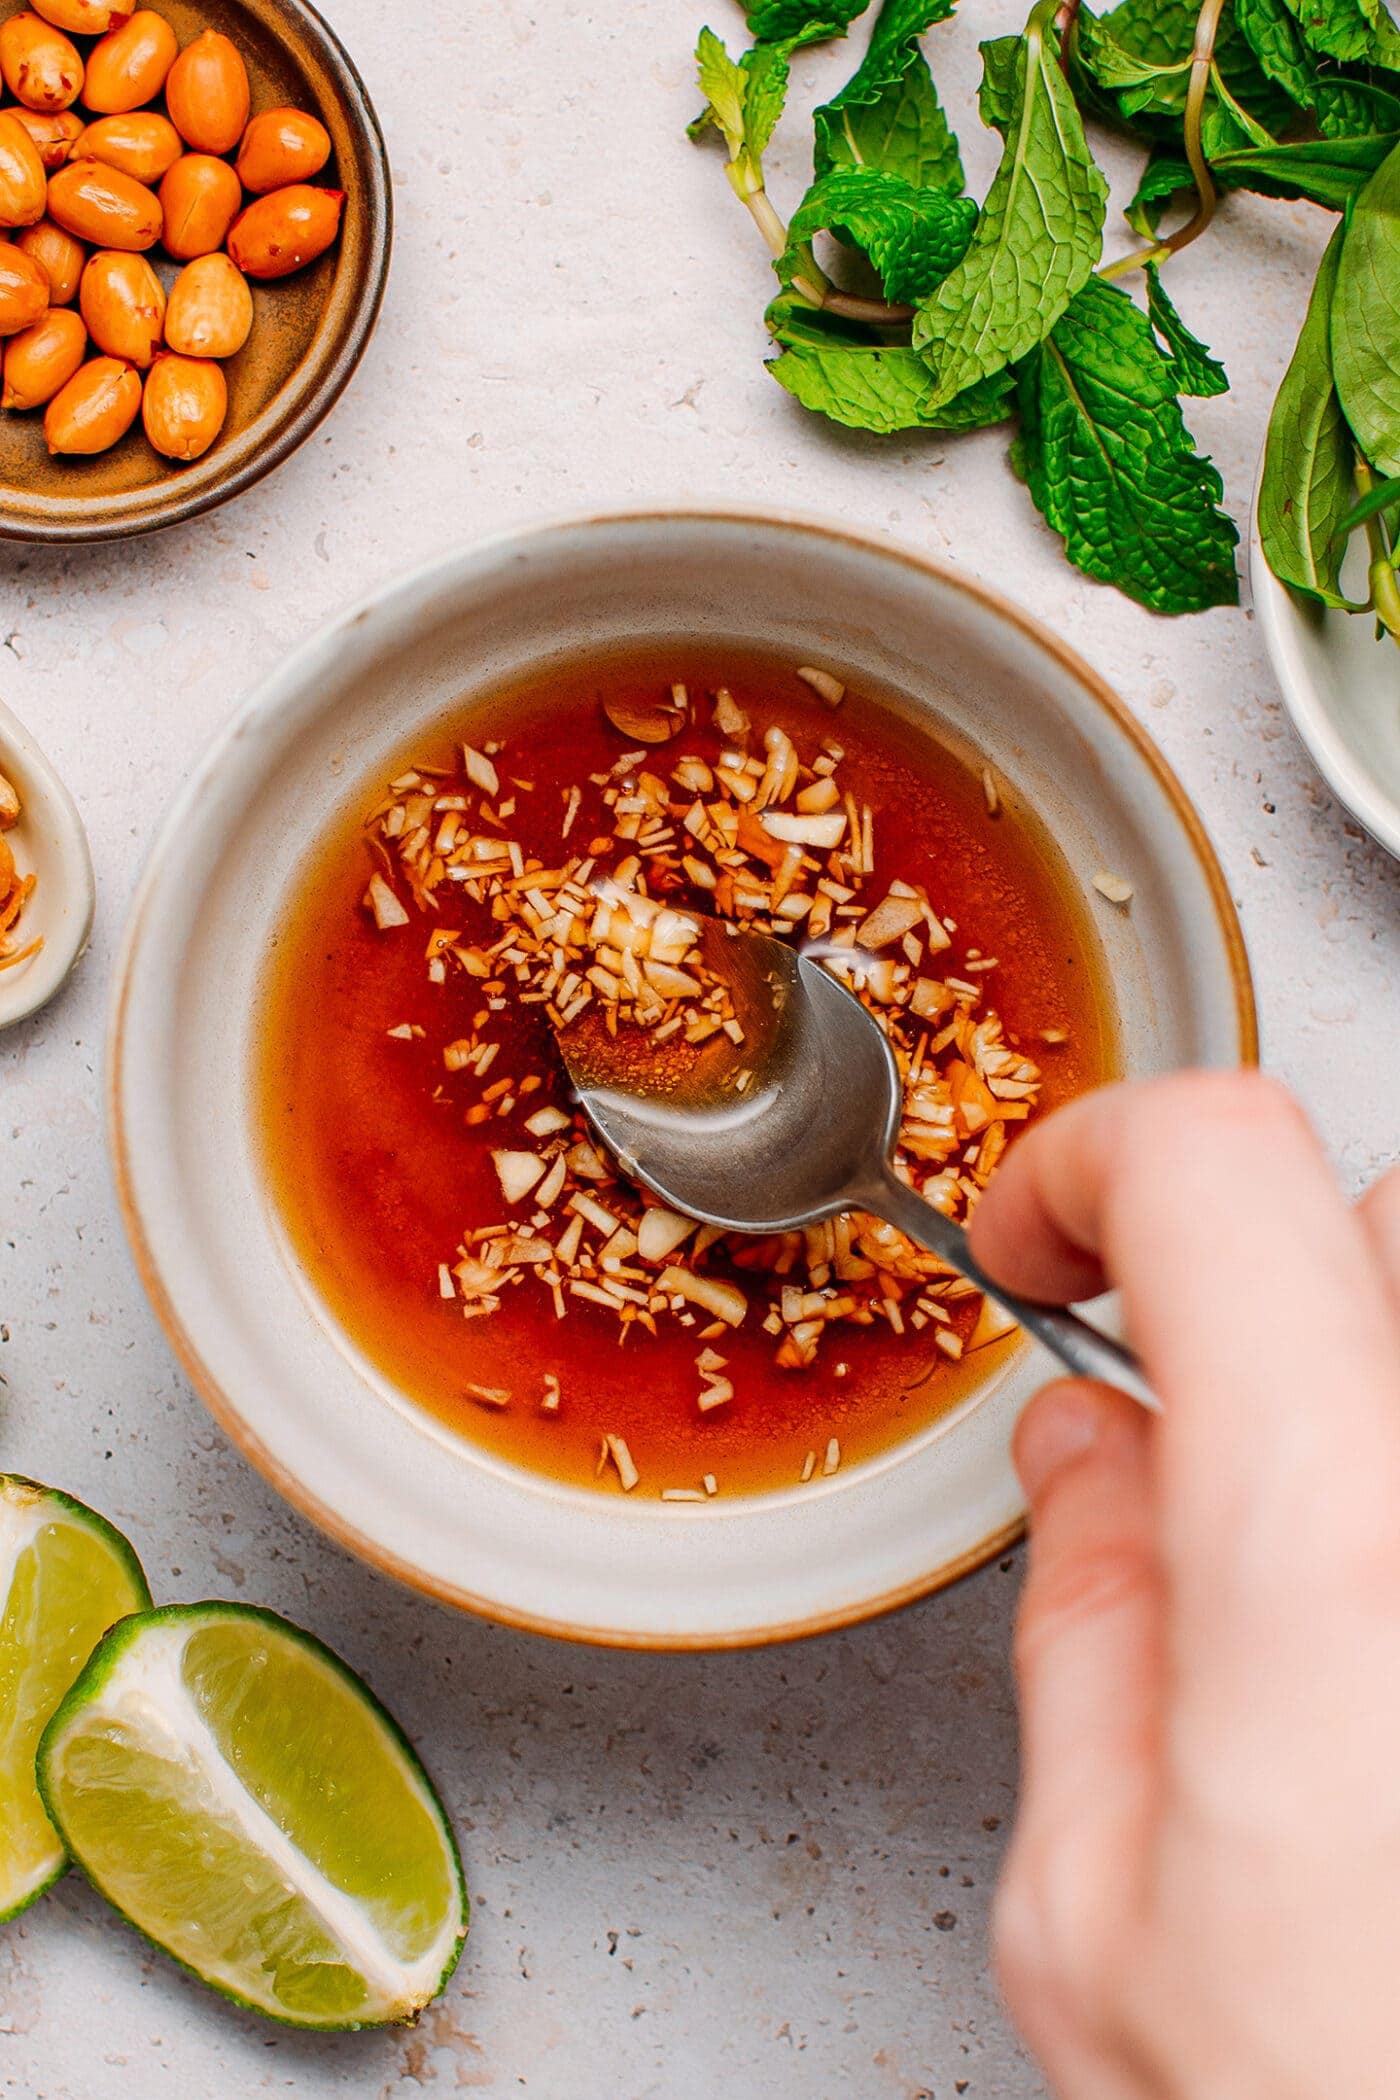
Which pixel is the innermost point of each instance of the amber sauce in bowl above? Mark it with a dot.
(375, 1174)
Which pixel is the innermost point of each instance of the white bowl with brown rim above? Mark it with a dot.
(374, 1470)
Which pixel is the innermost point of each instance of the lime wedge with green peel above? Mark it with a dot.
(65, 1577)
(246, 1802)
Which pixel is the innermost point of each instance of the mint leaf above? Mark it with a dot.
(1164, 32)
(804, 21)
(743, 100)
(1325, 171)
(765, 91)
(1273, 35)
(1163, 178)
(1366, 318)
(848, 374)
(1355, 31)
(1193, 369)
(888, 115)
(1112, 466)
(1001, 75)
(912, 236)
(1037, 238)
(1352, 108)
(724, 86)
(1308, 480)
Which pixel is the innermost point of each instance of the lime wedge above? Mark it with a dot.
(233, 1789)
(65, 1577)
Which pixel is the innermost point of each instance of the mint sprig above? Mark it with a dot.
(905, 305)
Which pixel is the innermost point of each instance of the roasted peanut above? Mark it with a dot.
(184, 406)
(53, 134)
(42, 358)
(24, 289)
(99, 405)
(282, 146)
(21, 174)
(83, 17)
(286, 230)
(128, 67)
(210, 309)
(41, 67)
(100, 204)
(200, 199)
(206, 93)
(58, 255)
(141, 142)
(123, 303)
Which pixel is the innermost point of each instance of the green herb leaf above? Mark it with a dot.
(912, 236)
(1354, 108)
(1037, 238)
(1112, 466)
(1163, 178)
(1273, 35)
(1307, 483)
(1164, 33)
(1112, 65)
(888, 115)
(1325, 171)
(724, 86)
(1384, 495)
(1351, 30)
(1366, 318)
(803, 21)
(850, 375)
(743, 100)
(1193, 369)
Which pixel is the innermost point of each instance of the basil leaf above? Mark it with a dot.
(1308, 478)
(1351, 30)
(1325, 171)
(1193, 369)
(888, 115)
(1366, 318)
(1038, 236)
(848, 374)
(912, 236)
(1112, 466)
(1385, 495)
(805, 21)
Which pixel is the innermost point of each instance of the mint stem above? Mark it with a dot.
(1207, 196)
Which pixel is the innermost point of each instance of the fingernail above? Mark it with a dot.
(1059, 1426)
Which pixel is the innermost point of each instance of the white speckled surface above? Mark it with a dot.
(767, 1874)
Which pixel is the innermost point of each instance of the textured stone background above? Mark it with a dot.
(767, 1874)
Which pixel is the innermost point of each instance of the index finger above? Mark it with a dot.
(1252, 1293)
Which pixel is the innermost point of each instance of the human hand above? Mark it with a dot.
(1202, 1896)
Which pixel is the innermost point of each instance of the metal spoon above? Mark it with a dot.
(811, 1133)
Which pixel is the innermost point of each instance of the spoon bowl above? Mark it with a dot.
(796, 1123)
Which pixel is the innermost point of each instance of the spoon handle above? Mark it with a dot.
(1080, 1348)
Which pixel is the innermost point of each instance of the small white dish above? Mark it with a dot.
(1341, 688)
(263, 1349)
(48, 842)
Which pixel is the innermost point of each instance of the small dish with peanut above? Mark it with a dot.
(194, 236)
(46, 885)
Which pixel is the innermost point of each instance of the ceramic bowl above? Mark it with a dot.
(309, 330)
(49, 843)
(1342, 689)
(367, 1465)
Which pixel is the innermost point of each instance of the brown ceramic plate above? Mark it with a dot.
(309, 330)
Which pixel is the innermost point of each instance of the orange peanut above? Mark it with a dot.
(207, 95)
(99, 405)
(199, 198)
(141, 142)
(127, 68)
(285, 230)
(58, 255)
(123, 303)
(282, 146)
(184, 406)
(39, 63)
(42, 358)
(100, 204)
